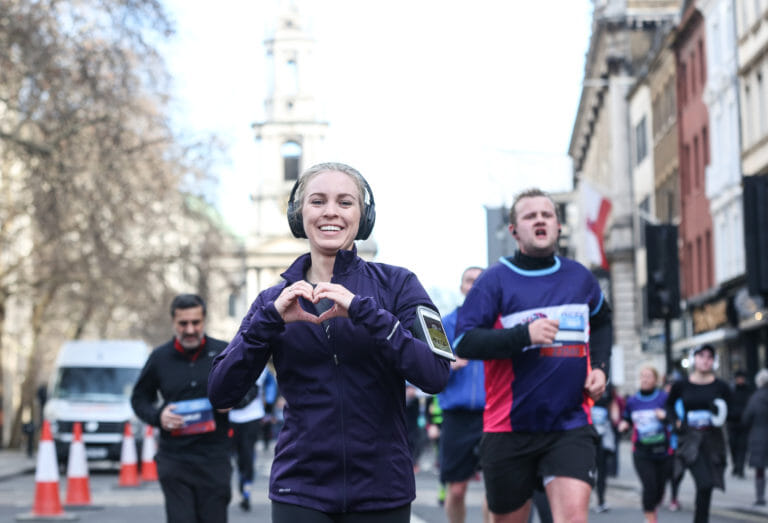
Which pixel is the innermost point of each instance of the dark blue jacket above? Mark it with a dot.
(344, 445)
(466, 386)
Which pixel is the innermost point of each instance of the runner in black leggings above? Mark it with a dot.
(650, 439)
(701, 447)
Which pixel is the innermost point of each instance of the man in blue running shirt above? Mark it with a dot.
(542, 326)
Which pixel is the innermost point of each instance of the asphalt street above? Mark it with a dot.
(113, 504)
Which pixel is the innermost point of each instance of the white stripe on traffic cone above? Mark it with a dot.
(148, 451)
(47, 505)
(78, 489)
(129, 470)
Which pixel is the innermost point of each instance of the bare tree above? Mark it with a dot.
(94, 178)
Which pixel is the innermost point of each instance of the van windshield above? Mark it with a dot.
(95, 383)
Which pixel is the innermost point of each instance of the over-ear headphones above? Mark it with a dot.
(367, 218)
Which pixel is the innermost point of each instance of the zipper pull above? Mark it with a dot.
(336, 359)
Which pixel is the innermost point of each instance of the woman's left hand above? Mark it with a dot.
(338, 294)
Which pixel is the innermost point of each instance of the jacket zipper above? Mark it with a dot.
(341, 418)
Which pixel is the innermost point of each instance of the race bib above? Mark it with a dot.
(699, 418)
(198, 417)
(649, 428)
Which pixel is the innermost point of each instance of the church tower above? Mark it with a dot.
(290, 139)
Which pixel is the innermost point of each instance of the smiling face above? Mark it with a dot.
(536, 228)
(331, 212)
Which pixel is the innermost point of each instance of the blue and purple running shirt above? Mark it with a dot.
(541, 388)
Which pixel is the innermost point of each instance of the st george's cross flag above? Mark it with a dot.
(596, 208)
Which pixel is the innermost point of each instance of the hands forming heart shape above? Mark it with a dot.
(290, 309)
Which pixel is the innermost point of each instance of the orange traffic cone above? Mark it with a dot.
(78, 489)
(129, 471)
(148, 450)
(47, 505)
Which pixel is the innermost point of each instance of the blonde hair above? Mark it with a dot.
(653, 371)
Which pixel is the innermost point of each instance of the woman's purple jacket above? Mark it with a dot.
(343, 446)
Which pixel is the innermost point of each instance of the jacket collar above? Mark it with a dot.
(346, 261)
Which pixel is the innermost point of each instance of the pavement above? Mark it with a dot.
(623, 490)
(738, 497)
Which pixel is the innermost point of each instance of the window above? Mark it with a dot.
(95, 383)
(641, 142)
(702, 66)
(705, 145)
(682, 87)
(689, 269)
(759, 99)
(695, 172)
(291, 153)
(747, 115)
(709, 276)
(699, 265)
(291, 77)
(644, 209)
(692, 63)
(685, 170)
(671, 100)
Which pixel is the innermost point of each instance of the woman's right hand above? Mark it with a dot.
(288, 306)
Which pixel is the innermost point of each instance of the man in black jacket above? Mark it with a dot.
(172, 393)
(737, 431)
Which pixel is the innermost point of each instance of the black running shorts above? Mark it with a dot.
(459, 453)
(515, 463)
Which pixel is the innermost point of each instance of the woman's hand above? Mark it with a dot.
(288, 306)
(338, 294)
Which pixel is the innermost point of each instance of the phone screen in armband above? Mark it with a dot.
(429, 328)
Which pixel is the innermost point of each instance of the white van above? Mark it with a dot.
(92, 383)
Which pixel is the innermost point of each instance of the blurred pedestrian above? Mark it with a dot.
(245, 420)
(701, 442)
(755, 418)
(543, 327)
(674, 481)
(339, 331)
(413, 422)
(737, 433)
(462, 402)
(651, 452)
(193, 463)
(605, 417)
(271, 396)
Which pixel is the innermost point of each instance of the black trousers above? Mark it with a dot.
(737, 443)
(195, 492)
(244, 436)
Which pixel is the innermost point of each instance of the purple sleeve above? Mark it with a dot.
(412, 357)
(236, 368)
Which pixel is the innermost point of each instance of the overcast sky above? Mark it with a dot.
(445, 107)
